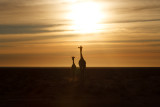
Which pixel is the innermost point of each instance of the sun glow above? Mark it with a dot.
(86, 17)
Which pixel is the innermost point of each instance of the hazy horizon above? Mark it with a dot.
(47, 33)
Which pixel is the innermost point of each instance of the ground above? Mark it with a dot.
(54, 87)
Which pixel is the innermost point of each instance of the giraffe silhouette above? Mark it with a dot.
(82, 65)
(73, 68)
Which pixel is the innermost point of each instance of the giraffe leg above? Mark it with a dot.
(83, 75)
(73, 75)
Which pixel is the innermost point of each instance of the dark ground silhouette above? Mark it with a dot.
(53, 87)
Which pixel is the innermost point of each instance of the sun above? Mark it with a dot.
(86, 17)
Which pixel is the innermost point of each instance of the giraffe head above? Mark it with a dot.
(80, 48)
(73, 58)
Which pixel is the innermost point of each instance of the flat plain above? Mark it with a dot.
(54, 87)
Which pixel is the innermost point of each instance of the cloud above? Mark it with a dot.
(35, 40)
(28, 29)
(149, 7)
(123, 41)
(138, 26)
(139, 7)
(32, 38)
(7, 46)
(134, 21)
(31, 5)
(6, 5)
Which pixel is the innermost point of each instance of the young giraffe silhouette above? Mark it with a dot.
(82, 64)
(73, 68)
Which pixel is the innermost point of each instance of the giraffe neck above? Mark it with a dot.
(73, 61)
(81, 54)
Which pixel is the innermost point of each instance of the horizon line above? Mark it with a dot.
(78, 67)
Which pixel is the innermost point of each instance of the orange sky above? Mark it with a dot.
(114, 33)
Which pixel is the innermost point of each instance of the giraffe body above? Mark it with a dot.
(82, 65)
(73, 68)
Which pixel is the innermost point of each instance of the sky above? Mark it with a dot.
(47, 33)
